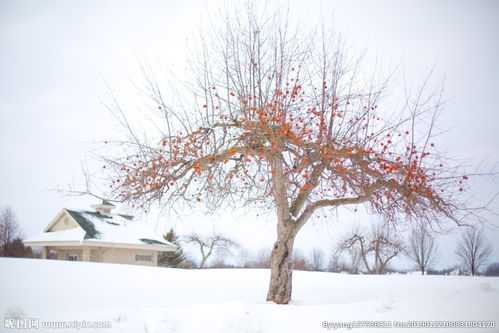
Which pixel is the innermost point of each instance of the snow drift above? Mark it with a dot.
(150, 299)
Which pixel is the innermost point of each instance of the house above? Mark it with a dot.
(100, 236)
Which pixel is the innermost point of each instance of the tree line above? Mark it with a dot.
(361, 250)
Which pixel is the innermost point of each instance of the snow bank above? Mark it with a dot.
(149, 299)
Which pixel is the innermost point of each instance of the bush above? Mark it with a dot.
(16, 249)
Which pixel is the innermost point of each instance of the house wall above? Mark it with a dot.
(127, 256)
(106, 255)
(96, 255)
(64, 222)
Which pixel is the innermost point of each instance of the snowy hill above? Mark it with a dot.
(148, 299)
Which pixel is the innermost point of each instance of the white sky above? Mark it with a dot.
(54, 56)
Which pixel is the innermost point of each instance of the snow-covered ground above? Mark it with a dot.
(148, 299)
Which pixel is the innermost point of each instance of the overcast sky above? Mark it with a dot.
(55, 57)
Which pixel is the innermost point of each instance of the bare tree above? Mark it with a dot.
(345, 259)
(336, 263)
(11, 244)
(300, 261)
(9, 228)
(473, 249)
(421, 248)
(375, 249)
(355, 260)
(281, 117)
(244, 258)
(317, 259)
(219, 262)
(208, 245)
(262, 258)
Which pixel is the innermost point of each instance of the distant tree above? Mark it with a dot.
(421, 248)
(243, 258)
(220, 262)
(355, 260)
(210, 244)
(16, 249)
(492, 269)
(336, 264)
(300, 262)
(172, 259)
(375, 248)
(9, 228)
(262, 258)
(345, 259)
(247, 259)
(473, 249)
(453, 270)
(317, 259)
(11, 244)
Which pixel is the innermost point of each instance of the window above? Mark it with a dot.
(143, 257)
(52, 254)
(72, 257)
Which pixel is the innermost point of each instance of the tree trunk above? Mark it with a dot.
(203, 262)
(281, 265)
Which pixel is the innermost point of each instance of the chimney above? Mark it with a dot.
(104, 208)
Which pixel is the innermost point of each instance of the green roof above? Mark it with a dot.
(152, 242)
(107, 203)
(128, 217)
(85, 224)
(86, 220)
